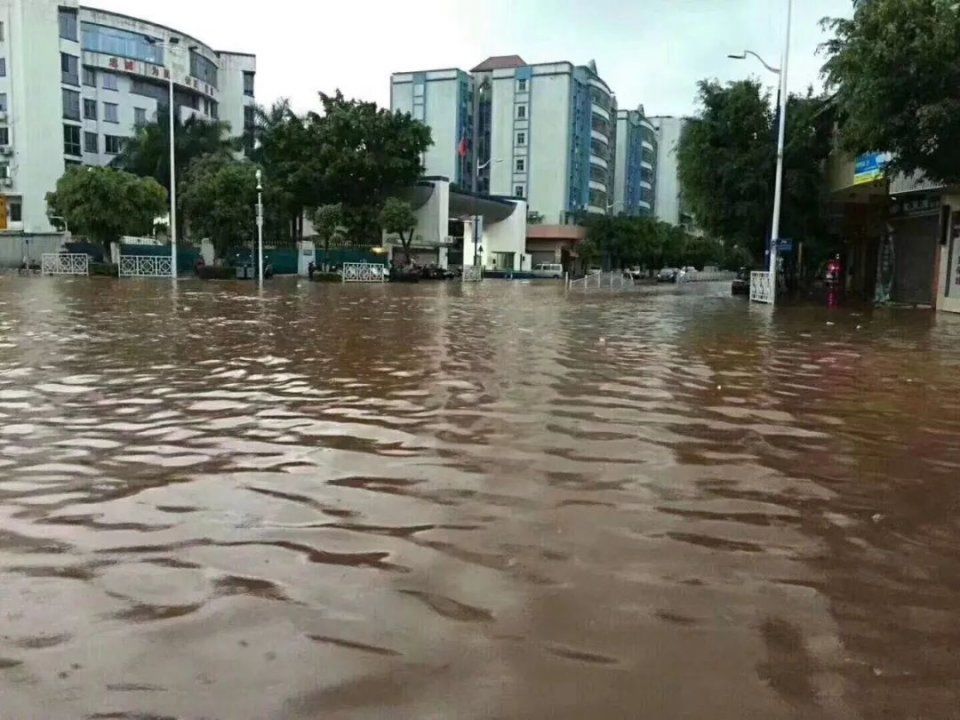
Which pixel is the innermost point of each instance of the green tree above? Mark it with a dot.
(219, 196)
(103, 204)
(895, 67)
(727, 159)
(328, 223)
(397, 218)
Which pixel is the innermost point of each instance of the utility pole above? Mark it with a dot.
(260, 223)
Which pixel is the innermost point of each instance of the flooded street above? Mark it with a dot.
(494, 501)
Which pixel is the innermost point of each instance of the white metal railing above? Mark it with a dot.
(148, 266)
(472, 273)
(761, 288)
(364, 273)
(65, 264)
(616, 280)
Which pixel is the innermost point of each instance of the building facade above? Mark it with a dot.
(545, 133)
(634, 188)
(669, 202)
(76, 83)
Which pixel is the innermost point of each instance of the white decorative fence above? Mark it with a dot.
(472, 273)
(148, 266)
(65, 264)
(364, 273)
(616, 280)
(761, 288)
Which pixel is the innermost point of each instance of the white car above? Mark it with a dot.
(554, 271)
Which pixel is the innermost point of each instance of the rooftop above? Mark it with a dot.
(500, 62)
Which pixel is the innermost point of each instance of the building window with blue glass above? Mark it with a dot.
(203, 69)
(121, 43)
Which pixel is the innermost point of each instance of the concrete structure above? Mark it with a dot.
(545, 133)
(901, 235)
(77, 82)
(444, 232)
(669, 204)
(555, 244)
(636, 157)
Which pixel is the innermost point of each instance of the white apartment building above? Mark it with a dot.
(76, 82)
(669, 205)
(545, 133)
(636, 159)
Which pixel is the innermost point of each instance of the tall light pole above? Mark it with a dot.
(260, 222)
(781, 139)
(167, 45)
(476, 218)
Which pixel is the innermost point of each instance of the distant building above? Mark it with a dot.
(669, 204)
(636, 159)
(76, 82)
(546, 133)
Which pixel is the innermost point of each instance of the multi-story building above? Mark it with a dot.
(544, 132)
(76, 82)
(669, 203)
(636, 158)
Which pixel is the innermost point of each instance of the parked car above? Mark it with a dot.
(741, 283)
(668, 275)
(553, 271)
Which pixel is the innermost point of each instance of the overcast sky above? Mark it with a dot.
(650, 51)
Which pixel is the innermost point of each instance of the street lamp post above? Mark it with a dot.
(168, 66)
(781, 139)
(260, 222)
(476, 217)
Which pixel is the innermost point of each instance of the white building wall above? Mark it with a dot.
(502, 114)
(233, 101)
(667, 206)
(31, 47)
(432, 98)
(549, 143)
(507, 236)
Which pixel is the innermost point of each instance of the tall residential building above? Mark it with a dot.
(76, 82)
(543, 132)
(635, 178)
(669, 204)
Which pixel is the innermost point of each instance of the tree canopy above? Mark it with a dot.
(397, 217)
(727, 159)
(895, 67)
(218, 197)
(103, 204)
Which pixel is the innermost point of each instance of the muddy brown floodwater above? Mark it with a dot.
(490, 501)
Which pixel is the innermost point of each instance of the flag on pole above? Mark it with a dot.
(464, 148)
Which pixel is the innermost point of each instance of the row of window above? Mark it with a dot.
(121, 43)
(72, 136)
(111, 111)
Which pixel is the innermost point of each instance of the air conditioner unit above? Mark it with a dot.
(3, 116)
(6, 150)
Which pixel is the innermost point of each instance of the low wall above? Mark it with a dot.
(15, 247)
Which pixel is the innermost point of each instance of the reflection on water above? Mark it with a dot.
(440, 501)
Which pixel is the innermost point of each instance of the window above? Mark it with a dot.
(111, 113)
(110, 81)
(521, 165)
(69, 69)
(521, 138)
(89, 77)
(139, 117)
(521, 86)
(3, 67)
(2, 35)
(521, 112)
(114, 144)
(71, 104)
(90, 109)
(248, 83)
(91, 142)
(4, 170)
(249, 117)
(518, 191)
(68, 24)
(3, 102)
(203, 69)
(71, 140)
(4, 136)
(123, 43)
(15, 206)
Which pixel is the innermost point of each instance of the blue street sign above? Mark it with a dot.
(785, 246)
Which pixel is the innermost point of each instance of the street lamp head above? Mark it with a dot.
(259, 179)
(741, 56)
